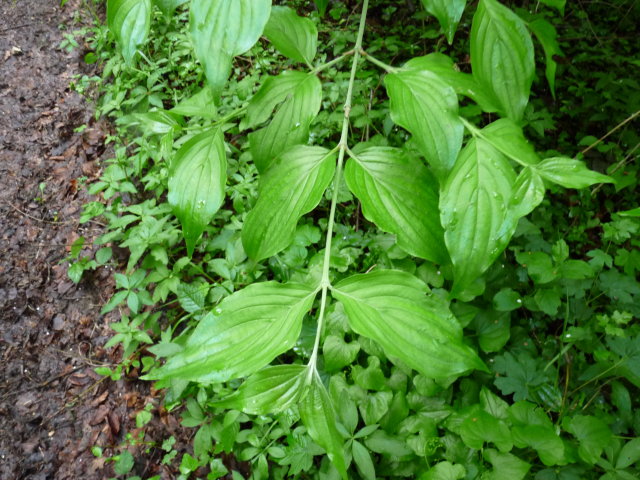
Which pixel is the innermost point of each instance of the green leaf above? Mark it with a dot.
(222, 29)
(424, 104)
(129, 21)
(527, 194)
(462, 83)
(507, 137)
(547, 35)
(168, 6)
(197, 177)
(271, 93)
(479, 427)
(391, 308)
(124, 463)
(473, 210)
(399, 194)
(290, 125)
(295, 37)
(444, 471)
(494, 330)
(319, 416)
(544, 440)
(570, 173)
(505, 466)
(448, 13)
(506, 300)
(557, 4)
(338, 354)
(293, 186)
(263, 318)
(271, 390)
(592, 433)
(502, 57)
(202, 104)
(363, 461)
(629, 454)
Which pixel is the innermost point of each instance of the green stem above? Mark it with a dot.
(325, 282)
(476, 132)
(379, 63)
(331, 63)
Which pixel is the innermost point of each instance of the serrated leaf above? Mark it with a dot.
(293, 186)
(473, 209)
(448, 13)
(502, 57)
(570, 173)
(424, 104)
(222, 29)
(264, 318)
(392, 308)
(294, 36)
(399, 194)
(592, 433)
(271, 390)
(272, 92)
(290, 125)
(129, 21)
(319, 416)
(192, 297)
(547, 35)
(462, 83)
(197, 177)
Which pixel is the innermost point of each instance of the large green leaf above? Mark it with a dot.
(462, 83)
(502, 56)
(425, 105)
(392, 308)
(526, 195)
(290, 125)
(249, 329)
(592, 433)
(129, 21)
(197, 178)
(399, 194)
(570, 173)
(547, 35)
(507, 137)
(271, 93)
(319, 416)
(271, 390)
(292, 187)
(222, 29)
(295, 37)
(506, 466)
(473, 209)
(448, 13)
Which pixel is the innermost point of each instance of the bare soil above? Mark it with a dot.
(53, 406)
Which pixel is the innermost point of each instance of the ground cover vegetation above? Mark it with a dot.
(374, 239)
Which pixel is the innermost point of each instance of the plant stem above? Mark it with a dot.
(330, 63)
(325, 282)
(377, 62)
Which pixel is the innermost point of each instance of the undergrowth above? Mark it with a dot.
(553, 390)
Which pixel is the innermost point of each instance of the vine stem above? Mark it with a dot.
(325, 282)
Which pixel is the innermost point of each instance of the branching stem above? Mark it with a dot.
(325, 282)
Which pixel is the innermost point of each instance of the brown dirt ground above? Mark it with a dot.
(53, 406)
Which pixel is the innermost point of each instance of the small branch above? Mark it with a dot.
(379, 63)
(614, 129)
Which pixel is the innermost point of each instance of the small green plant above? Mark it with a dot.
(364, 271)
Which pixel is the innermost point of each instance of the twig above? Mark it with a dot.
(617, 167)
(614, 129)
(36, 218)
(16, 27)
